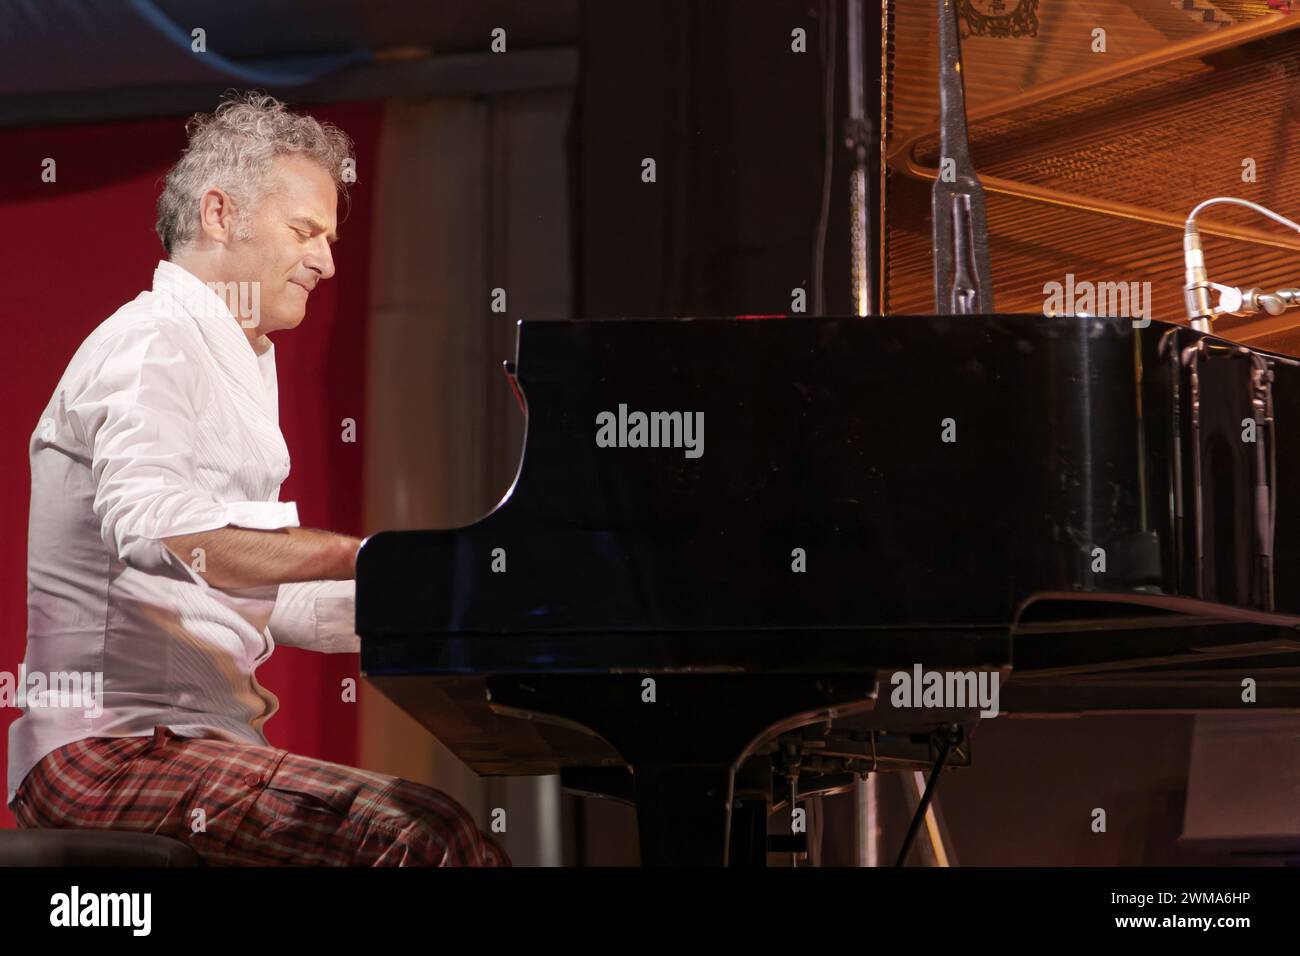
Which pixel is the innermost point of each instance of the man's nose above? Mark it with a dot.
(321, 261)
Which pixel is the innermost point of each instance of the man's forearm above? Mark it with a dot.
(244, 558)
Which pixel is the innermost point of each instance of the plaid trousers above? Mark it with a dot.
(242, 805)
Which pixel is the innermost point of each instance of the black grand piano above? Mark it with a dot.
(726, 536)
(1066, 501)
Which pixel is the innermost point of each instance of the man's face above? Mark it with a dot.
(288, 251)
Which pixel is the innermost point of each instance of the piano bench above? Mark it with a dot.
(92, 848)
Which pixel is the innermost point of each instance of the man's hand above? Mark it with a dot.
(244, 558)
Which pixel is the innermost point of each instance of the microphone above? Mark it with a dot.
(1196, 290)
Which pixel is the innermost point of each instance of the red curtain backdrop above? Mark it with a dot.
(74, 251)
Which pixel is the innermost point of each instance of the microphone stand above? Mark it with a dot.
(1232, 301)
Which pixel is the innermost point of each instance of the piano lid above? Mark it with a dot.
(1091, 160)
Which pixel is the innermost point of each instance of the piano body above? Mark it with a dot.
(1099, 511)
(872, 494)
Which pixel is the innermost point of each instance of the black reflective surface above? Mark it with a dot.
(826, 438)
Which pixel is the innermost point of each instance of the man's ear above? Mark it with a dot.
(217, 215)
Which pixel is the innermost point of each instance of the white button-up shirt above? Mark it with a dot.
(166, 422)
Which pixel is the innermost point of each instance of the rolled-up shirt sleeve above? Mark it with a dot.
(317, 616)
(138, 419)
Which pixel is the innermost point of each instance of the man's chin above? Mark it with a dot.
(284, 318)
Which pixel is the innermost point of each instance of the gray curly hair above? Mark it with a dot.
(231, 149)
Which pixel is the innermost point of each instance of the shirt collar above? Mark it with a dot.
(201, 302)
(220, 329)
(194, 295)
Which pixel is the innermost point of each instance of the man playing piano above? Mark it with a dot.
(160, 556)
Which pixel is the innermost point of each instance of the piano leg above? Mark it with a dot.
(683, 736)
(750, 807)
(683, 813)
